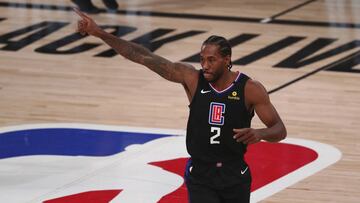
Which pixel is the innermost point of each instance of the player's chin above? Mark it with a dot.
(209, 77)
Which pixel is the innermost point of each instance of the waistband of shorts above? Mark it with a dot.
(218, 163)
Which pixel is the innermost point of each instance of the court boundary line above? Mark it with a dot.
(313, 72)
(271, 18)
(188, 16)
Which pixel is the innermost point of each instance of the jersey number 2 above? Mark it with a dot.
(217, 134)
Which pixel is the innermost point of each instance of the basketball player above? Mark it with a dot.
(222, 104)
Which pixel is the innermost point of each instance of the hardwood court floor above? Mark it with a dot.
(307, 57)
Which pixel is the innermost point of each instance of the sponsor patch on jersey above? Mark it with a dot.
(234, 96)
(216, 113)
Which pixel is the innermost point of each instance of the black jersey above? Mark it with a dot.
(213, 116)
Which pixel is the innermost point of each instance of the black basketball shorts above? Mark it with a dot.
(218, 182)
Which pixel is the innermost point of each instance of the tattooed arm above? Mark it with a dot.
(182, 73)
(171, 71)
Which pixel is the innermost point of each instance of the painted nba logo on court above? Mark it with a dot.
(216, 113)
(104, 164)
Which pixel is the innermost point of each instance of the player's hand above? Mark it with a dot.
(87, 25)
(247, 135)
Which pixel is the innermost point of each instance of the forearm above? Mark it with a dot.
(274, 133)
(132, 51)
(129, 50)
(139, 54)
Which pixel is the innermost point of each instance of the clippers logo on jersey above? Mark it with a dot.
(216, 113)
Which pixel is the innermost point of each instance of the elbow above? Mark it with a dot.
(283, 133)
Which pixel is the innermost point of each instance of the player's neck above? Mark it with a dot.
(225, 80)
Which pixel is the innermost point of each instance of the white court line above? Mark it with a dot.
(327, 155)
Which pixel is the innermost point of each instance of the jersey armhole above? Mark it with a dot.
(197, 89)
(245, 79)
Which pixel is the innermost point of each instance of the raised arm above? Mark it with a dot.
(258, 99)
(182, 73)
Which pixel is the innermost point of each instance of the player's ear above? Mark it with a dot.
(227, 60)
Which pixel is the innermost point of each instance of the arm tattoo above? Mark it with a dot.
(141, 55)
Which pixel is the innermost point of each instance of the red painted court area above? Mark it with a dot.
(268, 162)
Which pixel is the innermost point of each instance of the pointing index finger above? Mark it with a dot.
(81, 14)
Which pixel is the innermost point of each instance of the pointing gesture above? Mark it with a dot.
(87, 25)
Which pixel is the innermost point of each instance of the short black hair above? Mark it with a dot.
(224, 46)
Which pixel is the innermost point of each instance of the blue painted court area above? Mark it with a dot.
(69, 142)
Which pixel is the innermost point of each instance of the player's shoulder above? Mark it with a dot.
(187, 69)
(190, 77)
(255, 90)
(253, 84)
(185, 65)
